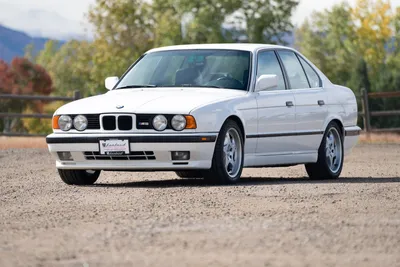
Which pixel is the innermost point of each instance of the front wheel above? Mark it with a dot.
(79, 177)
(227, 162)
(330, 155)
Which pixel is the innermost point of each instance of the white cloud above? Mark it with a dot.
(71, 9)
(48, 18)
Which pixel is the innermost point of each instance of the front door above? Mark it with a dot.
(276, 111)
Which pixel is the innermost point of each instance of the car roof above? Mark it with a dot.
(232, 46)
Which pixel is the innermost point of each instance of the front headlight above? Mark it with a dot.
(80, 122)
(65, 122)
(178, 122)
(160, 122)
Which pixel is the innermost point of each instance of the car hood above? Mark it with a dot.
(149, 100)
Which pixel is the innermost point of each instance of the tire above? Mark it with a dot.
(189, 174)
(221, 173)
(330, 155)
(79, 177)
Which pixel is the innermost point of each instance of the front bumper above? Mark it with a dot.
(85, 149)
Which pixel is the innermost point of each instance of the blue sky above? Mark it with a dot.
(58, 18)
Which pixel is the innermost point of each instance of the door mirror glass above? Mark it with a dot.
(266, 82)
(110, 82)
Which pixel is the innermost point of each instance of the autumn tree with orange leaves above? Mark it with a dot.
(22, 77)
(357, 46)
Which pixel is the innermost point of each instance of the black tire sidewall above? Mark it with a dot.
(218, 161)
(322, 149)
(78, 177)
(92, 176)
(189, 174)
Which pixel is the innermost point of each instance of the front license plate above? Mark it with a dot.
(114, 147)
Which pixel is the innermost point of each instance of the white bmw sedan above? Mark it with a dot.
(208, 111)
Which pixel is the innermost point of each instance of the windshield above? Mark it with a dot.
(190, 68)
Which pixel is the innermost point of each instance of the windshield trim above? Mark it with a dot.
(220, 49)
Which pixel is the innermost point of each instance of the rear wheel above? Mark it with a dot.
(189, 174)
(330, 155)
(227, 162)
(79, 177)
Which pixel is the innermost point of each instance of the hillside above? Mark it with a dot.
(13, 43)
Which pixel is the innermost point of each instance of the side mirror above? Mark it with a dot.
(110, 82)
(266, 82)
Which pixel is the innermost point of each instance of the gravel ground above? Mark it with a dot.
(273, 217)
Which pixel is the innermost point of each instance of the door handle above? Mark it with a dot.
(321, 102)
(289, 103)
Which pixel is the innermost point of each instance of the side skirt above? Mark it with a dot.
(260, 160)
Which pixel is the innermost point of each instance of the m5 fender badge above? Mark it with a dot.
(119, 106)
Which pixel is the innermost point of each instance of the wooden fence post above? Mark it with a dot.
(365, 106)
(77, 95)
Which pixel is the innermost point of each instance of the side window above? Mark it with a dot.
(297, 77)
(268, 64)
(313, 77)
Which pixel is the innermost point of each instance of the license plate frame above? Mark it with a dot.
(114, 147)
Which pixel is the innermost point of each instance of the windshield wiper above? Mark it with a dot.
(194, 85)
(191, 85)
(137, 86)
(180, 85)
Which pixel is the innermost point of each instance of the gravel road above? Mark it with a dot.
(273, 217)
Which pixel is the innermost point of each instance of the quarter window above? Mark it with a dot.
(312, 76)
(268, 64)
(297, 77)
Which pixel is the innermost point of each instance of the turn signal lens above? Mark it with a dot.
(190, 122)
(55, 122)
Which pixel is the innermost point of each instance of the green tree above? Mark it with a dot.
(338, 38)
(68, 66)
(267, 20)
(396, 33)
(355, 47)
(388, 79)
(373, 28)
(360, 78)
(167, 28)
(327, 40)
(206, 18)
(261, 21)
(123, 30)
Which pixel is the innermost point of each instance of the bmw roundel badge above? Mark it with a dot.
(119, 106)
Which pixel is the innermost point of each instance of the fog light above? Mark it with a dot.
(65, 156)
(180, 155)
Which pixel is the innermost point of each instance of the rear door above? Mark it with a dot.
(310, 99)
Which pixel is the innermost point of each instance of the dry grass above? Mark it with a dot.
(22, 142)
(40, 142)
(380, 138)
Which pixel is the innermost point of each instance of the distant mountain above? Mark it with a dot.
(13, 43)
(40, 22)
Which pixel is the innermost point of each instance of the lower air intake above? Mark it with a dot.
(134, 155)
